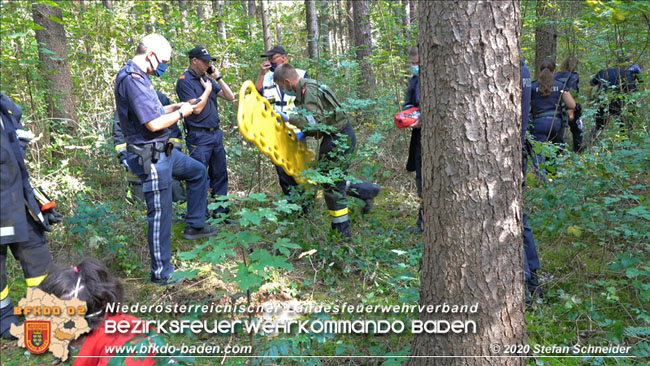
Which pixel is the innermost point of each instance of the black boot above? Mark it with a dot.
(7, 318)
(533, 286)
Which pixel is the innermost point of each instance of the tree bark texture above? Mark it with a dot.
(55, 66)
(252, 9)
(324, 26)
(108, 4)
(470, 88)
(312, 28)
(217, 8)
(545, 32)
(199, 11)
(350, 20)
(364, 47)
(266, 26)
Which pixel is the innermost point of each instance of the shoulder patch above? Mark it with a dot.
(182, 77)
(303, 90)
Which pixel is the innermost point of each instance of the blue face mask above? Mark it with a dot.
(416, 70)
(162, 67)
(273, 66)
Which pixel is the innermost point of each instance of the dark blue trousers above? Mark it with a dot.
(157, 188)
(531, 259)
(207, 148)
(531, 262)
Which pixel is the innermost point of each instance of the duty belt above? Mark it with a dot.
(201, 129)
(544, 115)
(150, 153)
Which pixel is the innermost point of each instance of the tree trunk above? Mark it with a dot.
(108, 4)
(350, 20)
(252, 9)
(266, 26)
(278, 24)
(412, 10)
(545, 32)
(183, 6)
(470, 88)
(87, 43)
(364, 47)
(406, 20)
(312, 28)
(199, 11)
(324, 26)
(217, 7)
(55, 66)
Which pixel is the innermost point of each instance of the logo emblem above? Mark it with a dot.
(37, 335)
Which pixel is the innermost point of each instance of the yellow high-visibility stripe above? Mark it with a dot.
(337, 213)
(120, 147)
(175, 140)
(4, 293)
(35, 281)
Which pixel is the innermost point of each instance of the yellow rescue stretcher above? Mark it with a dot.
(259, 124)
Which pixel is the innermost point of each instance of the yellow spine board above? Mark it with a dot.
(259, 124)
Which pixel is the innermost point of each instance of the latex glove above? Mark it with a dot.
(300, 136)
(53, 216)
(126, 164)
(284, 116)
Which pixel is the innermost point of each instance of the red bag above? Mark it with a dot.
(407, 118)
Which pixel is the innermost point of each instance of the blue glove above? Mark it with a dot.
(284, 116)
(126, 165)
(300, 136)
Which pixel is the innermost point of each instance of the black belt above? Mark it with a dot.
(150, 153)
(201, 129)
(280, 103)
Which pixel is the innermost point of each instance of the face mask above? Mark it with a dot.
(273, 66)
(162, 67)
(416, 70)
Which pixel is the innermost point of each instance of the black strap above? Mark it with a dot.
(201, 129)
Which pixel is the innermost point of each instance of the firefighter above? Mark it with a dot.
(25, 214)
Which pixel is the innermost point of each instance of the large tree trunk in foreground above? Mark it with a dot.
(55, 67)
(472, 248)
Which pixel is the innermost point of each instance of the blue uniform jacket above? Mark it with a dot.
(189, 87)
(413, 100)
(572, 79)
(16, 193)
(526, 91)
(137, 104)
(544, 106)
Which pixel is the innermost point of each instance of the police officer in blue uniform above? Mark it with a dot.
(23, 218)
(204, 137)
(412, 99)
(546, 107)
(152, 156)
(531, 259)
(119, 142)
(615, 81)
(571, 80)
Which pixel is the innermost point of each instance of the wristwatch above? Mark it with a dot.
(218, 78)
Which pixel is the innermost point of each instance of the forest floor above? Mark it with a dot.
(587, 301)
